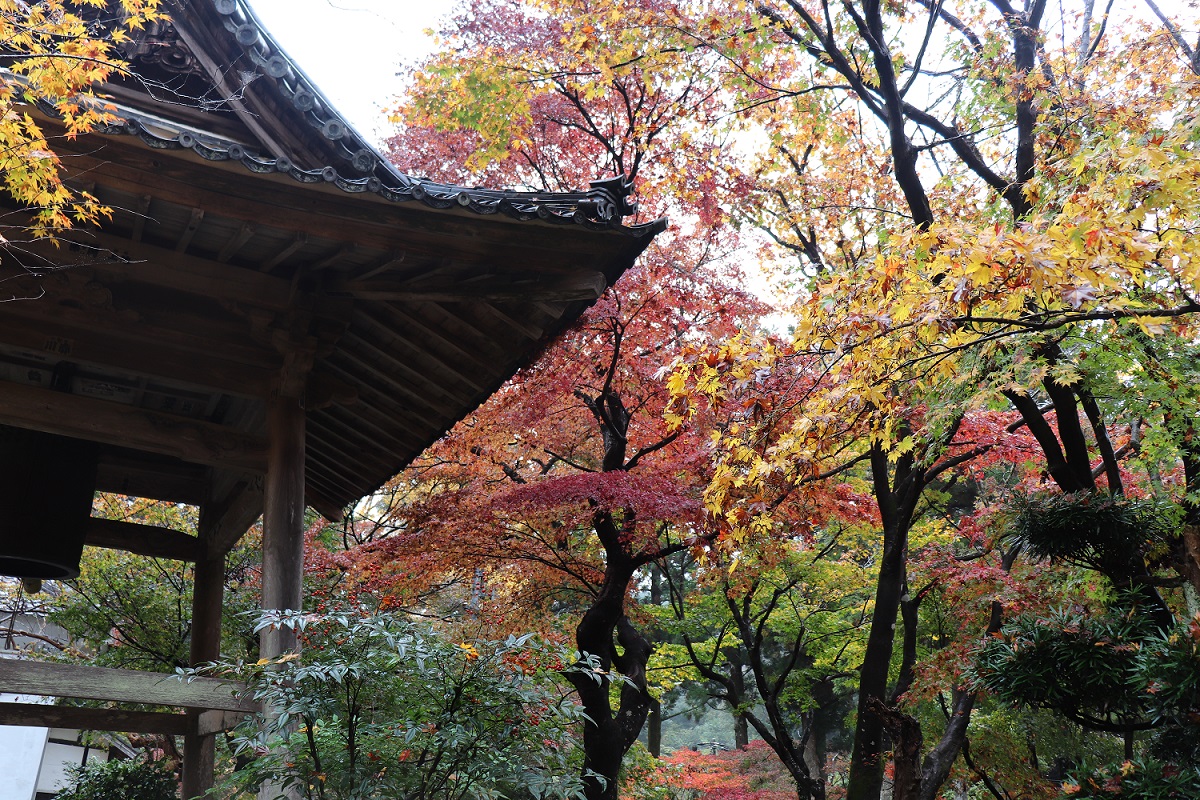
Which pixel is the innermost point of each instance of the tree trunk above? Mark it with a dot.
(1190, 557)
(897, 499)
(741, 726)
(823, 720)
(905, 733)
(654, 729)
(741, 731)
(866, 759)
(814, 749)
(654, 722)
(604, 627)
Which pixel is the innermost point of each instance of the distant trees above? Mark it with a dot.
(774, 635)
(134, 612)
(1028, 264)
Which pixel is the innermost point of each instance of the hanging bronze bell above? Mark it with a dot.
(46, 488)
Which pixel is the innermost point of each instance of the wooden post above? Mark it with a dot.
(283, 510)
(283, 520)
(283, 534)
(199, 750)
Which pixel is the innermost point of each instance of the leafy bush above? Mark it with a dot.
(1168, 671)
(1091, 530)
(753, 773)
(1135, 780)
(1079, 665)
(120, 780)
(379, 707)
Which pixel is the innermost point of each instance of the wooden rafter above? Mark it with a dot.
(131, 350)
(586, 286)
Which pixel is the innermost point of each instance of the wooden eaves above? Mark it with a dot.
(273, 316)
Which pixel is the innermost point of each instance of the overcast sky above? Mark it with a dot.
(352, 49)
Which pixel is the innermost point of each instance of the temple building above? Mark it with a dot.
(273, 318)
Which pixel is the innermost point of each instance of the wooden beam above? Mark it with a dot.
(334, 258)
(425, 333)
(359, 433)
(551, 311)
(143, 354)
(121, 686)
(398, 362)
(65, 305)
(324, 211)
(185, 239)
(144, 540)
(584, 285)
(324, 482)
(199, 747)
(231, 516)
(207, 598)
(230, 89)
(215, 721)
(141, 215)
(298, 241)
(191, 440)
(324, 506)
(154, 477)
(381, 381)
(452, 323)
(235, 242)
(390, 262)
(323, 391)
(533, 332)
(94, 719)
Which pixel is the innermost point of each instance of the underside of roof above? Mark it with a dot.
(260, 247)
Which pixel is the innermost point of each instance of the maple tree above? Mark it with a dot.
(549, 501)
(54, 54)
(543, 508)
(991, 292)
(1010, 255)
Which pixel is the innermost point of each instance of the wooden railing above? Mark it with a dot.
(220, 703)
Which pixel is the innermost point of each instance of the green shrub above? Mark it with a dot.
(120, 780)
(1090, 530)
(379, 707)
(1135, 780)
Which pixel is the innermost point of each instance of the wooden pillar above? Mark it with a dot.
(283, 520)
(283, 535)
(199, 752)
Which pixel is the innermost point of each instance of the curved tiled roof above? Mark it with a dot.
(352, 163)
(602, 206)
(256, 237)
